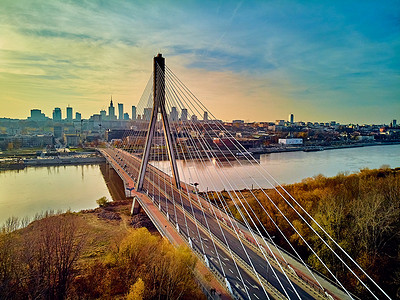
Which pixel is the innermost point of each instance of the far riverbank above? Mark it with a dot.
(15, 163)
(318, 147)
(75, 159)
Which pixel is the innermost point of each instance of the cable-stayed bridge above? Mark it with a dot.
(174, 126)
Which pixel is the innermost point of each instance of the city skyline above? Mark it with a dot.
(261, 60)
(174, 113)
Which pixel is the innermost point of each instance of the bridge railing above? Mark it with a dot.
(236, 295)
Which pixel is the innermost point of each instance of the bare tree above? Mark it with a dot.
(51, 251)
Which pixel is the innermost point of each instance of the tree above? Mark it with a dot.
(10, 267)
(102, 202)
(51, 251)
(136, 291)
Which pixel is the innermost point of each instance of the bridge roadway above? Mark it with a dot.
(158, 185)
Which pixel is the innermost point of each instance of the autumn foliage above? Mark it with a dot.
(57, 258)
(361, 212)
(143, 266)
(40, 263)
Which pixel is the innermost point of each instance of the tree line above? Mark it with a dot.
(361, 212)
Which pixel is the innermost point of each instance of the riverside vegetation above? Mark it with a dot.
(93, 254)
(97, 255)
(361, 212)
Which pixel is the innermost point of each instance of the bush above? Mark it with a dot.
(102, 202)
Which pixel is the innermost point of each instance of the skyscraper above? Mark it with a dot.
(111, 111)
(147, 113)
(133, 112)
(120, 111)
(174, 114)
(57, 116)
(69, 114)
(291, 118)
(78, 116)
(205, 116)
(37, 115)
(184, 114)
(126, 116)
(103, 115)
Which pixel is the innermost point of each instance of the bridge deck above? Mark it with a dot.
(198, 219)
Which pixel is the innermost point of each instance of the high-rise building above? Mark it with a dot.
(37, 115)
(120, 111)
(147, 113)
(184, 114)
(78, 116)
(111, 111)
(291, 118)
(133, 112)
(126, 116)
(174, 114)
(394, 123)
(205, 116)
(58, 131)
(57, 116)
(103, 115)
(69, 114)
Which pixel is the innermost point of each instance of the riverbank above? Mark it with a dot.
(281, 149)
(77, 159)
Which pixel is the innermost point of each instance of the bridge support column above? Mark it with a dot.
(158, 107)
(135, 209)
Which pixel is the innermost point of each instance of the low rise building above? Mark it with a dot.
(290, 141)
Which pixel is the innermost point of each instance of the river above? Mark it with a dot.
(286, 167)
(23, 193)
(33, 190)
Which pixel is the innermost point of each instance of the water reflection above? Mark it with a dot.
(35, 189)
(287, 167)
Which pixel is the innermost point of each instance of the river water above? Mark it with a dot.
(33, 190)
(23, 193)
(288, 167)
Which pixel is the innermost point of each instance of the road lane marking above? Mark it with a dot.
(253, 286)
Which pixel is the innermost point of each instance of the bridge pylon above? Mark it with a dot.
(158, 107)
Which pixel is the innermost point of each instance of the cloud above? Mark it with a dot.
(278, 55)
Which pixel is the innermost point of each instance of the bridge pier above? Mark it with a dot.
(135, 206)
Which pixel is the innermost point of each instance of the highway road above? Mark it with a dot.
(197, 222)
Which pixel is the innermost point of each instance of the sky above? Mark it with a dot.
(250, 60)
